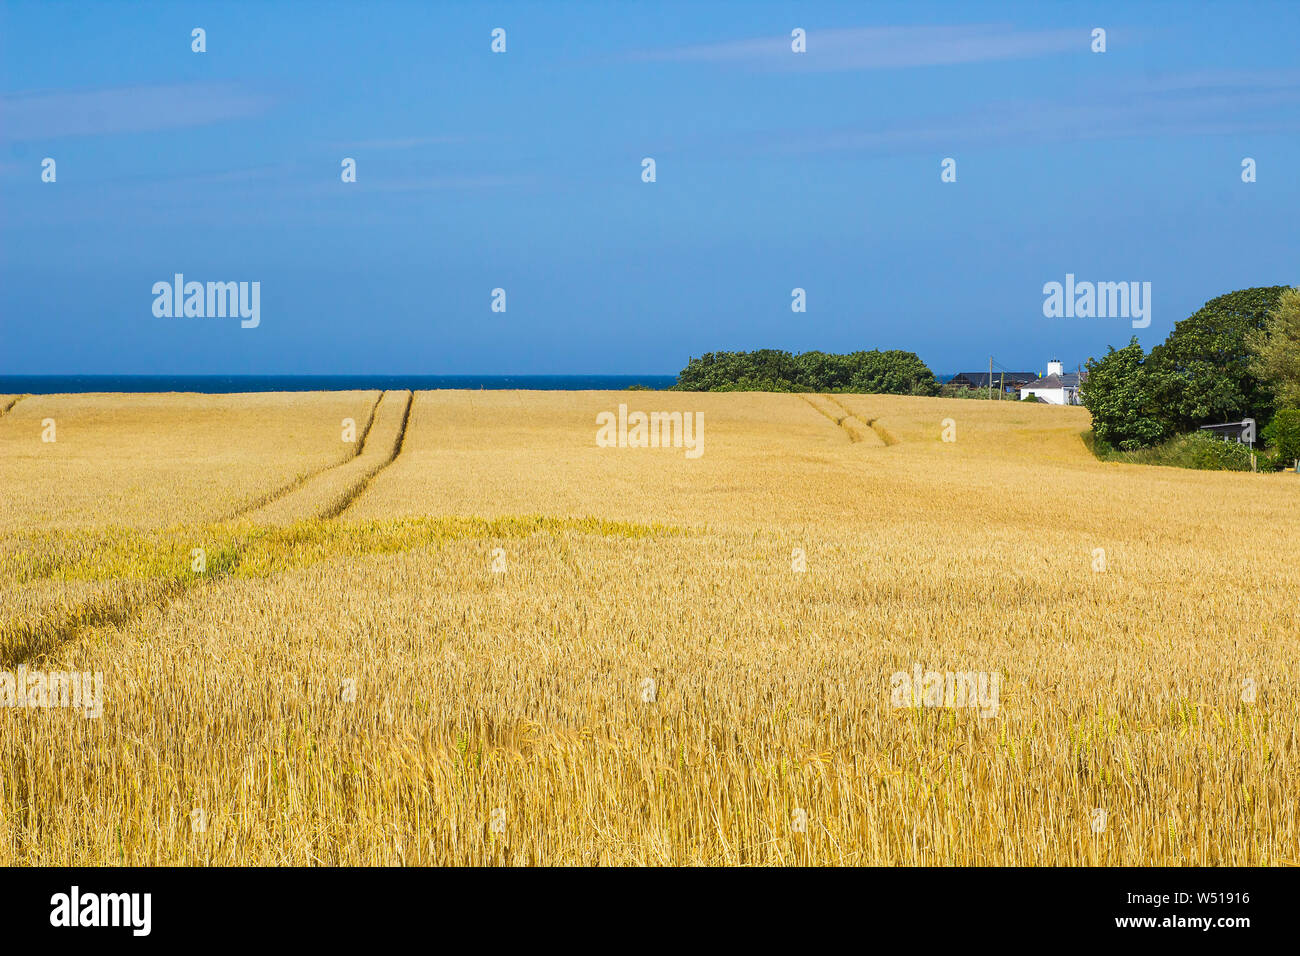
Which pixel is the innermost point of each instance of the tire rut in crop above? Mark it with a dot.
(873, 423)
(301, 480)
(365, 482)
(23, 643)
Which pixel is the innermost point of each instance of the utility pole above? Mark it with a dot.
(1002, 386)
(990, 378)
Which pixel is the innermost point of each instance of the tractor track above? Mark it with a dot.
(28, 641)
(872, 423)
(4, 411)
(362, 485)
(259, 503)
(857, 430)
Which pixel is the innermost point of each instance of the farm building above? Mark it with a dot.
(1057, 387)
(1242, 431)
(1006, 381)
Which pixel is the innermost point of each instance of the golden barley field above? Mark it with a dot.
(474, 636)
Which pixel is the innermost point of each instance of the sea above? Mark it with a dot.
(224, 384)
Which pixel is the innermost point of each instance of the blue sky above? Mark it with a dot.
(522, 171)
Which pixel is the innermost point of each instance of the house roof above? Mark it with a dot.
(1068, 380)
(981, 379)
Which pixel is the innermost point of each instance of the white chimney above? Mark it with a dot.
(1054, 367)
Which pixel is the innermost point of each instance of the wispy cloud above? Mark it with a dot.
(126, 109)
(1204, 80)
(436, 183)
(407, 142)
(882, 48)
(1190, 104)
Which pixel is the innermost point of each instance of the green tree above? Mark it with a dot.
(892, 373)
(1284, 434)
(1120, 392)
(1275, 349)
(765, 370)
(1203, 370)
(773, 370)
(824, 371)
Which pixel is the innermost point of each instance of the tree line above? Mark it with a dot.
(773, 370)
(1237, 357)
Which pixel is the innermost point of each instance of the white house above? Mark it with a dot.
(1057, 387)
